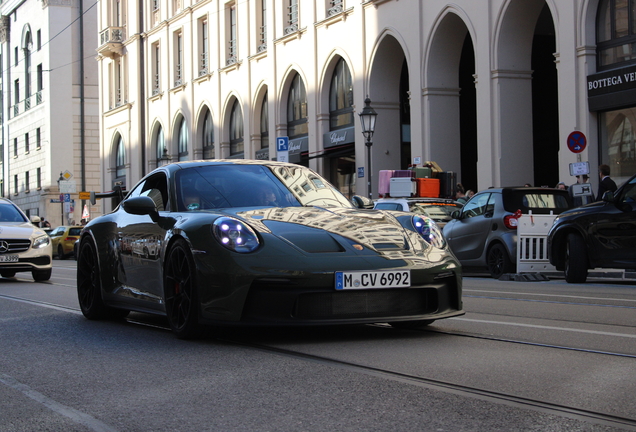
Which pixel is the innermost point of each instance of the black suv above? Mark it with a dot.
(596, 235)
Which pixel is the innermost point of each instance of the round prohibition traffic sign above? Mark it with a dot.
(577, 142)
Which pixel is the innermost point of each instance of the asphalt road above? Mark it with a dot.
(527, 356)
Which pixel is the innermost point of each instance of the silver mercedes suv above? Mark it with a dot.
(23, 246)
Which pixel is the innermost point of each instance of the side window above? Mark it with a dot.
(477, 206)
(629, 193)
(155, 187)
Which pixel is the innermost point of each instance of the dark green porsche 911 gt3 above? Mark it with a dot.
(261, 242)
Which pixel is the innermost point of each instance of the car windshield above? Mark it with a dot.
(246, 185)
(539, 202)
(9, 213)
(436, 211)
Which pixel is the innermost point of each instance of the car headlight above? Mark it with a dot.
(429, 230)
(40, 242)
(235, 235)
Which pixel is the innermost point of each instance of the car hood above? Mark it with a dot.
(585, 209)
(317, 229)
(19, 230)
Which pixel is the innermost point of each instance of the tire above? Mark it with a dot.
(575, 261)
(41, 275)
(408, 325)
(7, 273)
(180, 291)
(60, 252)
(498, 261)
(89, 285)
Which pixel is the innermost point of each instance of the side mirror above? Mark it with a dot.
(455, 214)
(35, 220)
(608, 196)
(141, 205)
(362, 202)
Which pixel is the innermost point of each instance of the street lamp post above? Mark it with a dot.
(61, 178)
(367, 119)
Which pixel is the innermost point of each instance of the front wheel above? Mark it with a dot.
(89, 285)
(41, 275)
(180, 292)
(498, 261)
(575, 259)
(60, 252)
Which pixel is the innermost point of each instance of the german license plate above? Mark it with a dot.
(8, 258)
(373, 279)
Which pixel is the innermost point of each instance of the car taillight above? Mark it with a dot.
(70, 238)
(511, 221)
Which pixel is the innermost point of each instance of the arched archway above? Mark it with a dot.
(450, 112)
(389, 92)
(527, 149)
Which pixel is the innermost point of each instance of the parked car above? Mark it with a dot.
(438, 209)
(23, 246)
(63, 238)
(597, 235)
(231, 252)
(484, 232)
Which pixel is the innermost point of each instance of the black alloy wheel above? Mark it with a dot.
(498, 261)
(89, 285)
(180, 292)
(575, 259)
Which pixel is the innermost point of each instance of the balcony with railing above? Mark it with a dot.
(231, 53)
(204, 69)
(337, 7)
(262, 43)
(111, 41)
(25, 105)
(292, 21)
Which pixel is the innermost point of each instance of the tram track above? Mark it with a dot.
(448, 386)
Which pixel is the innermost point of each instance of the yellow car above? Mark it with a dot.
(63, 238)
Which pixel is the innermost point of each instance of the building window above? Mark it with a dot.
(262, 41)
(341, 97)
(38, 178)
(183, 140)
(264, 124)
(618, 142)
(204, 65)
(15, 53)
(231, 36)
(118, 84)
(178, 61)
(208, 136)
(15, 184)
(15, 147)
(236, 130)
(16, 89)
(177, 5)
(26, 143)
(297, 109)
(27, 65)
(160, 146)
(39, 40)
(616, 33)
(26, 182)
(39, 83)
(38, 139)
(292, 17)
(156, 69)
(120, 158)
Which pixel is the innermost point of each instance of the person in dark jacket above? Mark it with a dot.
(606, 183)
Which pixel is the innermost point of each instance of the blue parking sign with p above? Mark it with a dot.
(282, 144)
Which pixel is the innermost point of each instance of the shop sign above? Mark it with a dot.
(611, 81)
(262, 154)
(298, 145)
(339, 137)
